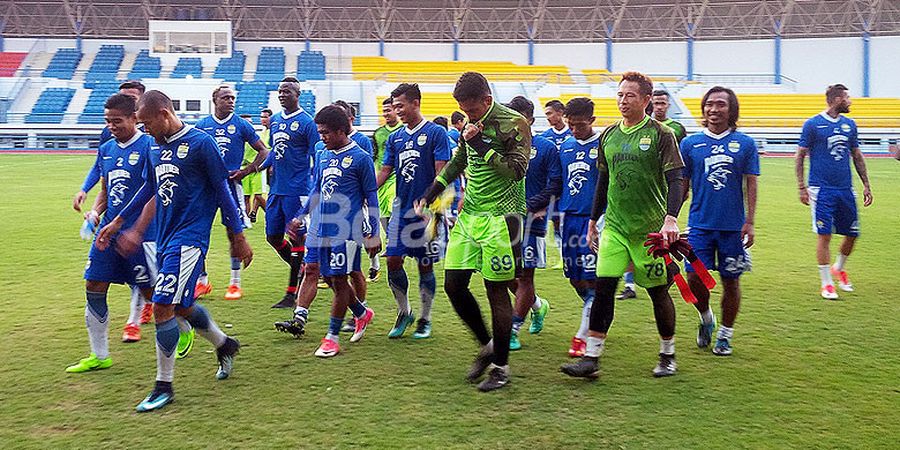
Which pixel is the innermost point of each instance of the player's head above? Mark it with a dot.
(442, 121)
(407, 102)
(580, 117)
(458, 120)
(247, 117)
(289, 93)
(473, 93)
(223, 98)
(522, 106)
(387, 111)
(333, 126)
(348, 109)
(554, 110)
(633, 95)
(720, 108)
(659, 101)
(133, 88)
(119, 113)
(156, 112)
(264, 117)
(838, 98)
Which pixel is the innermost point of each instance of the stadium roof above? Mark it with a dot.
(463, 20)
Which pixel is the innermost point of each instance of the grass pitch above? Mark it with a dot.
(805, 372)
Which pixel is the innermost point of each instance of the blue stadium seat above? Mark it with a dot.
(310, 66)
(50, 106)
(63, 64)
(308, 102)
(188, 66)
(270, 65)
(231, 69)
(93, 109)
(106, 64)
(145, 66)
(253, 97)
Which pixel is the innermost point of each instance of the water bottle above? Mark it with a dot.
(89, 227)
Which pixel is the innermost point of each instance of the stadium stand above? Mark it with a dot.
(10, 62)
(63, 64)
(434, 104)
(106, 64)
(596, 76)
(145, 66)
(93, 109)
(51, 106)
(308, 103)
(252, 97)
(270, 65)
(187, 66)
(231, 69)
(604, 107)
(310, 66)
(381, 68)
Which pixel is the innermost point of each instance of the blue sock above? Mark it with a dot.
(589, 295)
(517, 323)
(399, 283)
(357, 308)
(205, 326)
(427, 288)
(629, 277)
(166, 341)
(235, 263)
(334, 328)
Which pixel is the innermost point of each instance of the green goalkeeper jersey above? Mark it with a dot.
(677, 128)
(380, 137)
(636, 159)
(495, 181)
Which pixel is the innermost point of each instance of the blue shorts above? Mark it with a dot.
(280, 211)
(179, 269)
(111, 267)
(833, 210)
(336, 257)
(534, 252)
(406, 237)
(237, 193)
(720, 250)
(579, 261)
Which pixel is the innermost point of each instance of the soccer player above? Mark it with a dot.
(121, 162)
(188, 179)
(718, 163)
(254, 184)
(387, 191)
(578, 161)
(830, 139)
(493, 151)
(231, 133)
(559, 130)
(543, 181)
(639, 185)
(414, 155)
(457, 123)
(344, 182)
(659, 106)
(293, 140)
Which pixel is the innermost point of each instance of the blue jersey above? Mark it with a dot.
(453, 134)
(292, 140)
(557, 137)
(830, 143)
(188, 176)
(578, 161)
(412, 153)
(344, 180)
(231, 134)
(363, 142)
(716, 165)
(542, 167)
(123, 165)
(93, 175)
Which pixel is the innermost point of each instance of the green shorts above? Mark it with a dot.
(253, 184)
(616, 251)
(491, 245)
(386, 194)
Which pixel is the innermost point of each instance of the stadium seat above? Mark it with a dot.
(93, 109)
(63, 64)
(270, 64)
(231, 69)
(308, 103)
(188, 66)
(106, 64)
(434, 104)
(310, 66)
(605, 108)
(50, 106)
(145, 66)
(381, 68)
(10, 62)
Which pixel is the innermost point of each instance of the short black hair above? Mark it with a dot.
(388, 101)
(555, 105)
(834, 91)
(267, 111)
(659, 92)
(121, 102)
(246, 116)
(133, 84)
(219, 89)
(410, 90)
(156, 101)
(348, 108)
(471, 86)
(580, 107)
(522, 106)
(290, 80)
(734, 109)
(457, 117)
(334, 117)
(442, 121)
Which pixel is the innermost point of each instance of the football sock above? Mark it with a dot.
(825, 274)
(839, 263)
(203, 279)
(427, 288)
(235, 271)
(201, 321)
(707, 317)
(296, 262)
(517, 323)
(301, 313)
(629, 280)
(375, 262)
(357, 308)
(536, 306)
(464, 303)
(137, 305)
(587, 295)
(96, 317)
(284, 251)
(725, 332)
(183, 325)
(595, 346)
(334, 328)
(166, 341)
(667, 346)
(399, 286)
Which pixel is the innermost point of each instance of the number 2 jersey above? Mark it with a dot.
(122, 165)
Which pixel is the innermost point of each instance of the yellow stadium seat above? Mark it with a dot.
(791, 110)
(381, 68)
(605, 108)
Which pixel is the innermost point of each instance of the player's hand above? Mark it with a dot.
(373, 245)
(238, 175)
(593, 237)
(748, 234)
(92, 217)
(420, 207)
(540, 214)
(804, 196)
(104, 237)
(240, 249)
(295, 228)
(78, 200)
(867, 196)
(471, 130)
(669, 230)
(129, 242)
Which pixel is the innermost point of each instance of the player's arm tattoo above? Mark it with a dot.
(859, 161)
(799, 170)
(750, 192)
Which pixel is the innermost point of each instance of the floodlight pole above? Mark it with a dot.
(690, 52)
(866, 41)
(2, 27)
(609, 47)
(777, 51)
